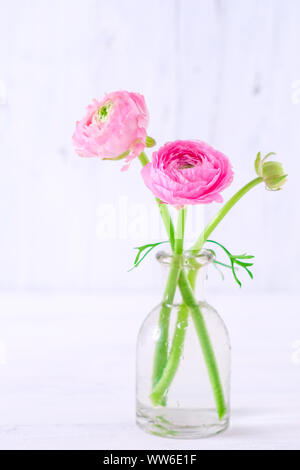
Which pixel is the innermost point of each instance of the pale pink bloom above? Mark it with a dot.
(187, 172)
(112, 127)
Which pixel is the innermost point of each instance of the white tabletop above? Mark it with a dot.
(67, 372)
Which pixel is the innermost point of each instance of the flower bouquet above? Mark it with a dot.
(183, 353)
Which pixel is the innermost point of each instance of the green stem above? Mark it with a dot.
(159, 391)
(161, 349)
(160, 388)
(143, 159)
(204, 339)
(221, 214)
(163, 209)
(186, 285)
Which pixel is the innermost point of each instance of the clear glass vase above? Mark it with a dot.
(183, 360)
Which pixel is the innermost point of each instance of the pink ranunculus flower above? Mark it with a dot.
(113, 128)
(187, 172)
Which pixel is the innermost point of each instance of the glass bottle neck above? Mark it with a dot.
(195, 267)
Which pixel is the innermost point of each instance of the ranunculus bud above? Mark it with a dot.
(271, 172)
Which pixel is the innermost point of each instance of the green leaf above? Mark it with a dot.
(222, 264)
(241, 263)
(143, 251)
(244, 256)
(235, 276)
(249, 272)
(235, 261)
(215, 264)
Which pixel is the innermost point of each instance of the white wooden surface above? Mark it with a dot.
(67, 375)
(226, 71)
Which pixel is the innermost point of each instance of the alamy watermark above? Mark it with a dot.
(128, 220)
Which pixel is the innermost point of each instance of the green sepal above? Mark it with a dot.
(150, 142)
(257, 164)
(119, 157)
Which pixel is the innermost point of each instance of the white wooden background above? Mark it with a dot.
(226, 71)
